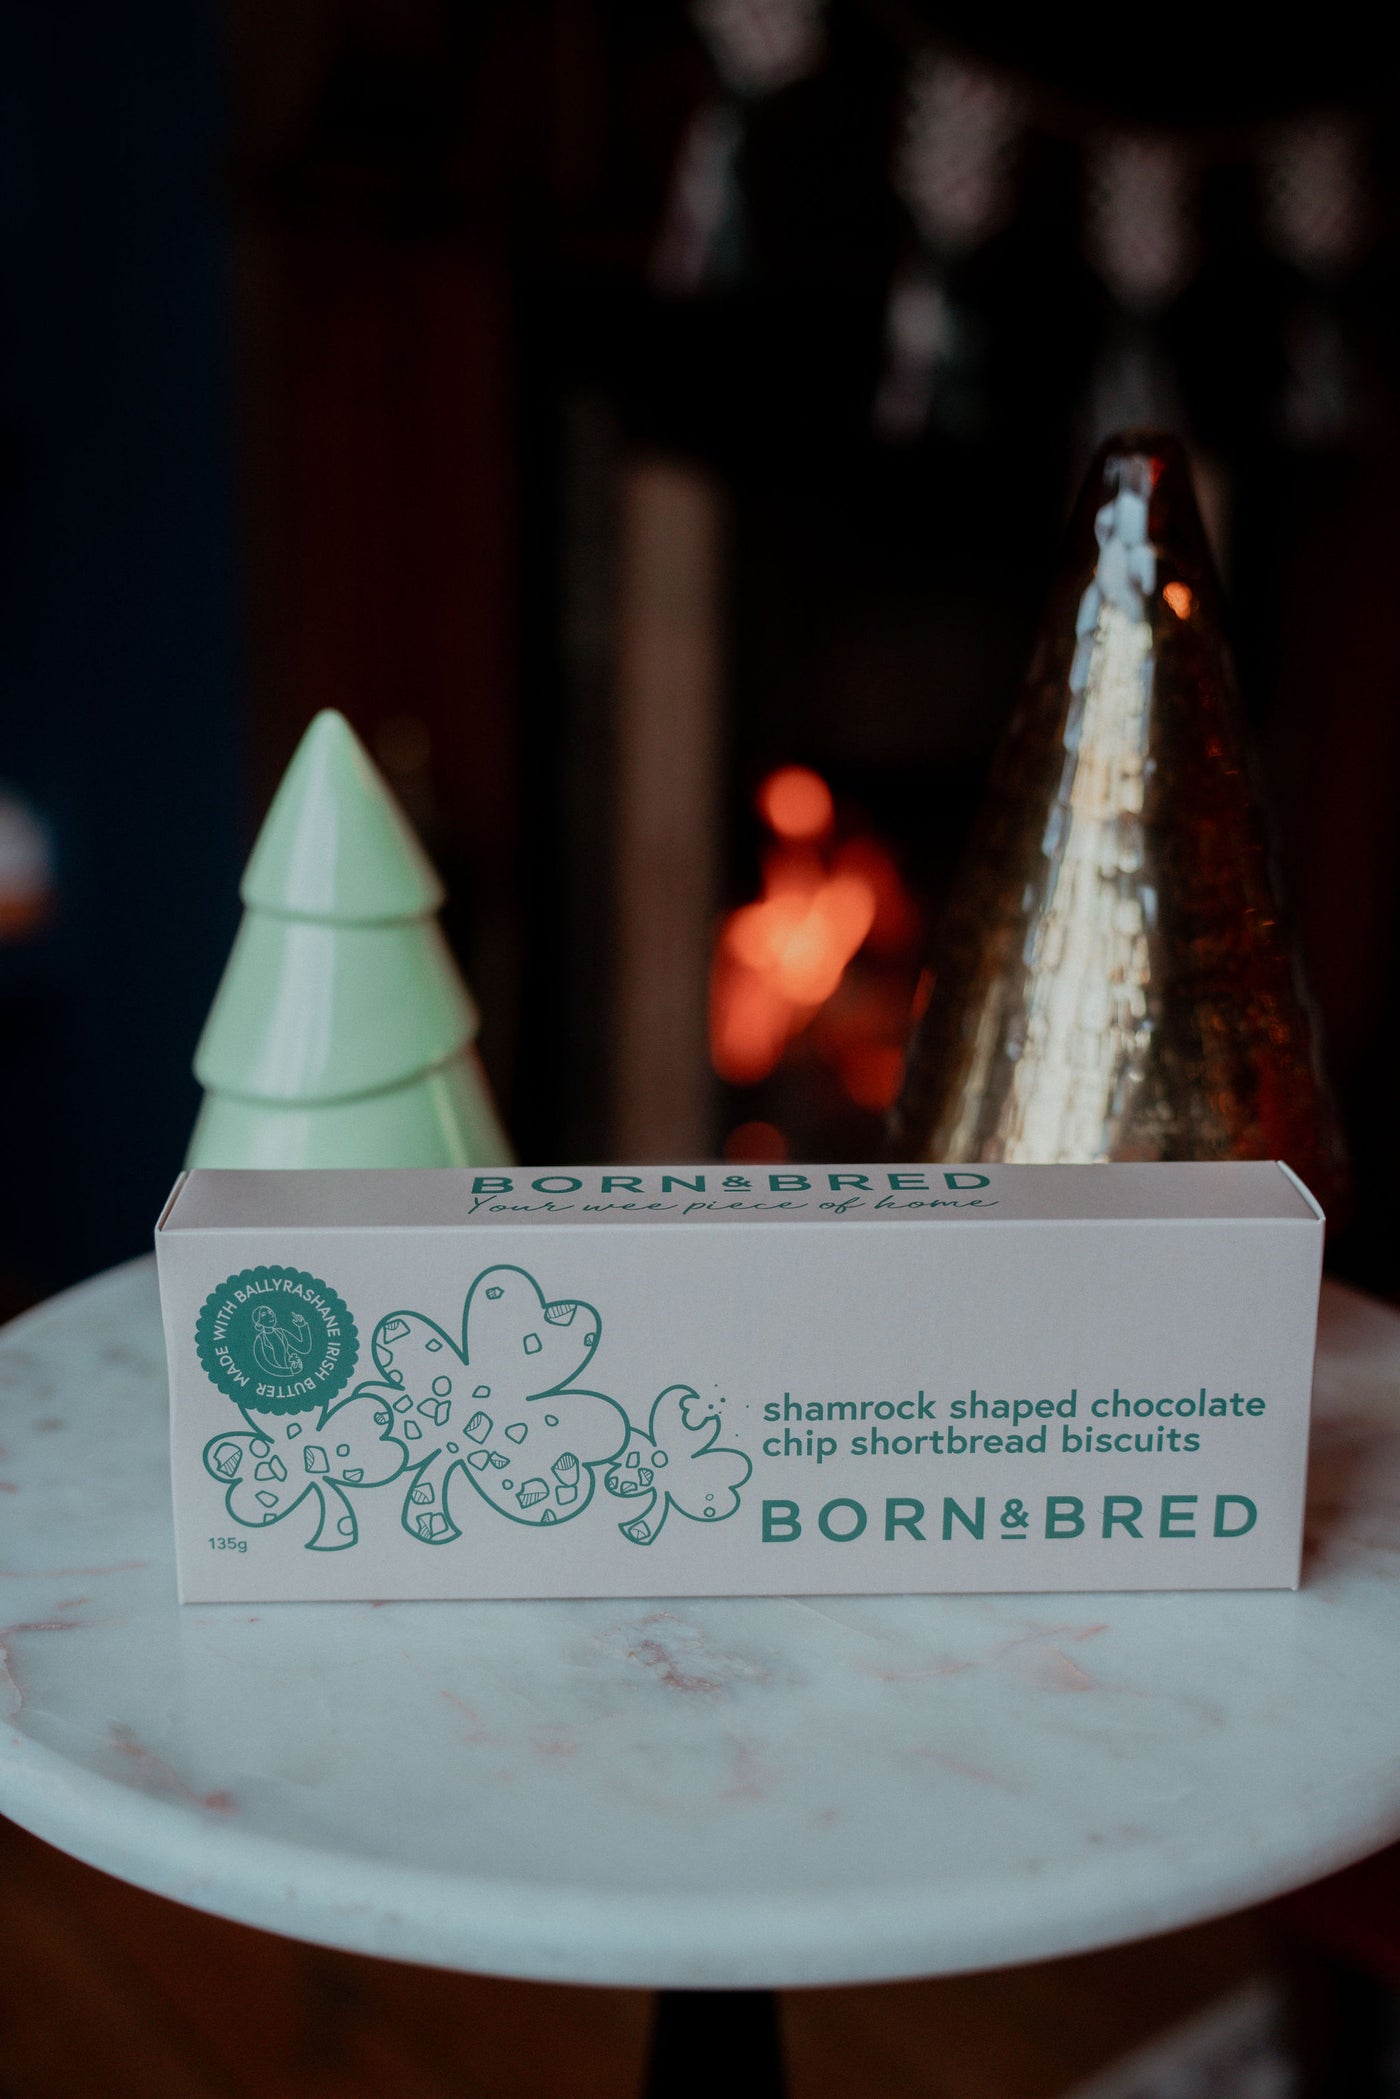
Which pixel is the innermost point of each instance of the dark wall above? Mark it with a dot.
(117, 617)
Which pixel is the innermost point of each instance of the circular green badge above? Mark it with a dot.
(277, 1340)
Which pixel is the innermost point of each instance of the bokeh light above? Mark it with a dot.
(755, 1144)
(796, 803)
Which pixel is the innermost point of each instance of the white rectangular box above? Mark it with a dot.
(738, 1380)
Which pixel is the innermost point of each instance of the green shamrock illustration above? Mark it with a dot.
(499, 1406)
(270, 1467)
(678, 1465)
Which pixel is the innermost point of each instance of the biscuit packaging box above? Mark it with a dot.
(709, 1380)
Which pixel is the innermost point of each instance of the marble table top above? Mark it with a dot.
(683, 1794)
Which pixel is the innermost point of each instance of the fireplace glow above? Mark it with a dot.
(780, 960)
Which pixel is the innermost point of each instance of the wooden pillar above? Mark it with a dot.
(669, 690)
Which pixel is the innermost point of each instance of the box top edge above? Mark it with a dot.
(1207, 1191)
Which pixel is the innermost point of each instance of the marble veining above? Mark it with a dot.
(708, 1793)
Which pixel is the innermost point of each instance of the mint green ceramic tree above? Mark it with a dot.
(342, 1033)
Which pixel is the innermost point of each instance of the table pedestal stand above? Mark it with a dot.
(697, 2029)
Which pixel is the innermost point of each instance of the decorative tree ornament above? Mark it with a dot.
(757, 47)
(957, 142)
(1316, 215)
(1111, 979)
(1141, 239)
(342, 1033)
(1139, 231)
(1313, 193)
(928, 355)
(702, 236)
(952, 167)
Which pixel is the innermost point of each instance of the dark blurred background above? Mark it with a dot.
(652, 426)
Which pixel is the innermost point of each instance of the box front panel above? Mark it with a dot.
(808, 1410)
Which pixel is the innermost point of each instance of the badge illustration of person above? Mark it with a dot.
(281, 1350)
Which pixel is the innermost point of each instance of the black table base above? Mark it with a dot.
(708, 2037)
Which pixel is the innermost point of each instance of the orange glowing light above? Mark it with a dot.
(755, 1143)
(796, 803)
(895, 926)
(780, 961)
(750, 1024)
(801, 944)
(1180, 598)
(781, 958)
(873, 1073)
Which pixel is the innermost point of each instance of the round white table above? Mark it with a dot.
(696, 1796)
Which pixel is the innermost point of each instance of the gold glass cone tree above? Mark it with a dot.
(342, 1033)
(1111, 980)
